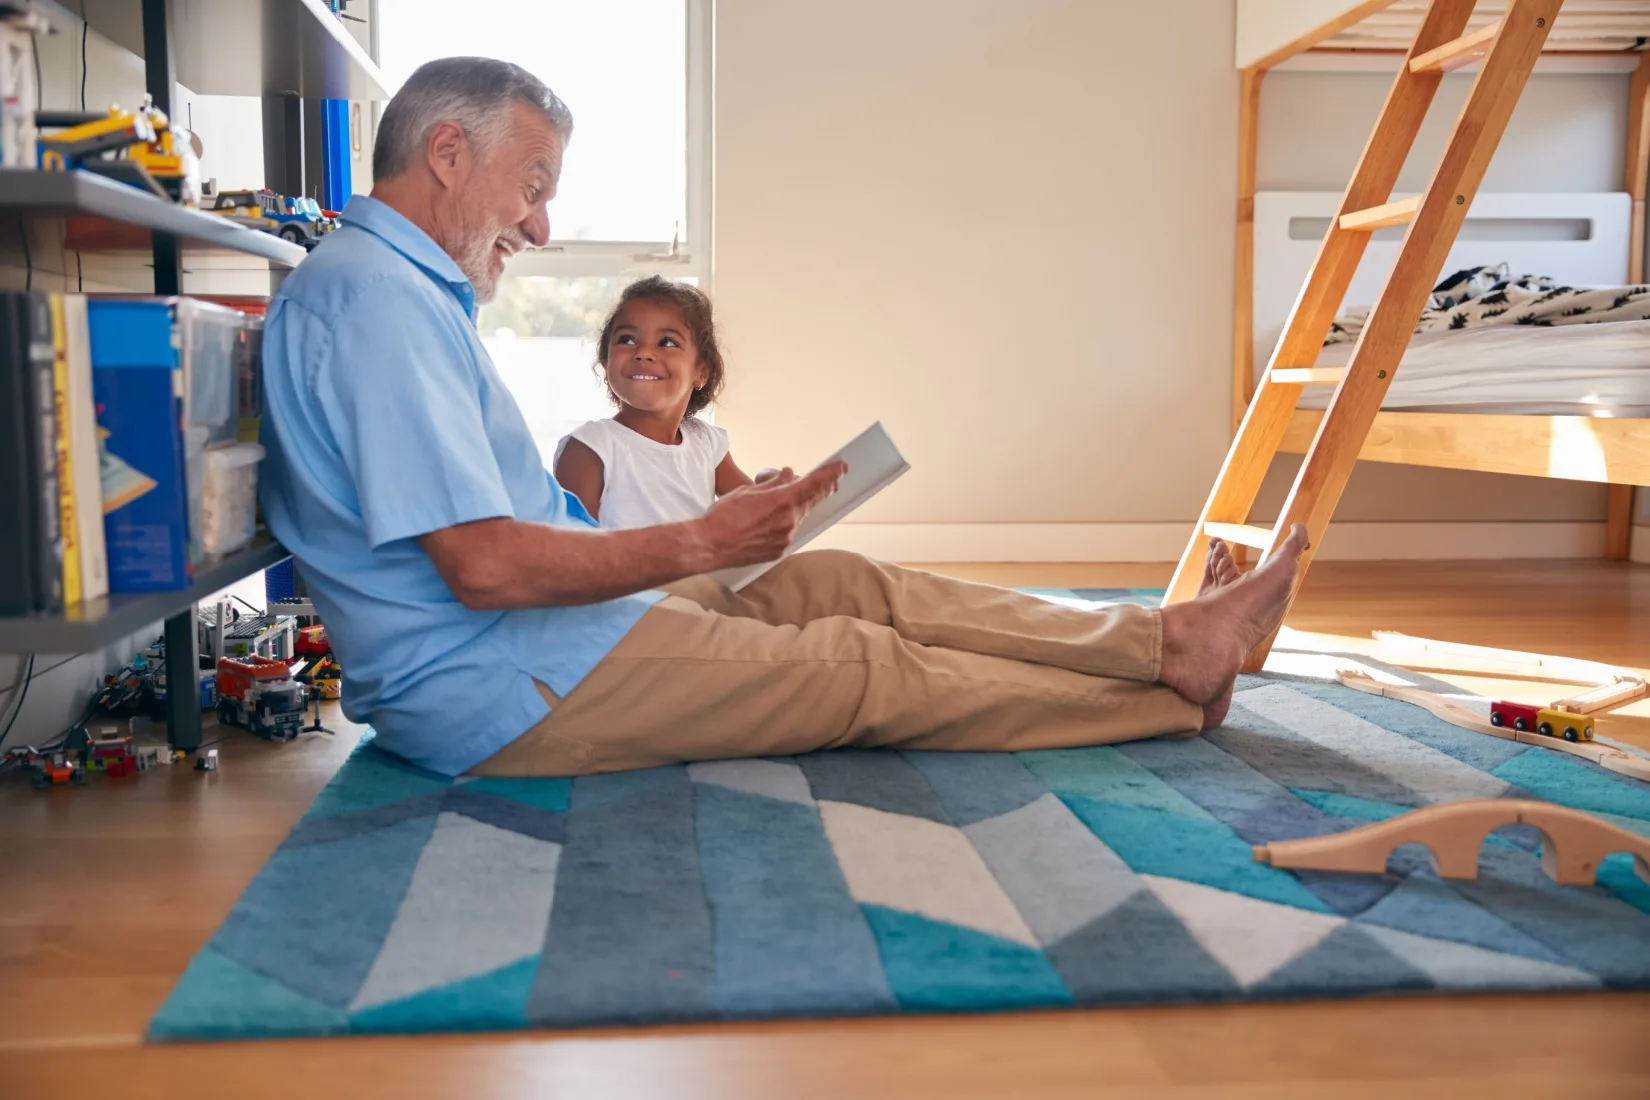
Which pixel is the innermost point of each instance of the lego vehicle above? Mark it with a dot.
(140, 148)
(1564, 723)
(325, 678)
(260, 695)
(243, 207)
(54, 769)
(301, 220)
(1516, 715)
(312, 642)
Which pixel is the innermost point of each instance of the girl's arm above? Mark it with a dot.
(729, 476)
(579, 470)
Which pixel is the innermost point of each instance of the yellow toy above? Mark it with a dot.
(141, 148)
(1551, 722)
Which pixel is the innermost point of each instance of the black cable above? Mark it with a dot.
(84, 27)
(39, 77)
(28, 261)
(79, 277)
(22, 694)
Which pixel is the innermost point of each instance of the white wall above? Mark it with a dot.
(990, 224)
(1005, 229)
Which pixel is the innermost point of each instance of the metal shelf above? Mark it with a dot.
(96, 624)
(26, 190)
(243, 47)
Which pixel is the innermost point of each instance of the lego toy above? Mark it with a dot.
(50, 769)
(140, 148)
(299, 220)
(1573, 843)
(260, 695)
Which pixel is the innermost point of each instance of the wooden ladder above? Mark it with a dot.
(1508, 50)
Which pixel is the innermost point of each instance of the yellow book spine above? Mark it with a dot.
(65, 475)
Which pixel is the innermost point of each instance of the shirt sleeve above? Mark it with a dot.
(716, 442)
(402, 397)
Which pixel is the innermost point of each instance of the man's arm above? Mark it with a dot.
(500, 564)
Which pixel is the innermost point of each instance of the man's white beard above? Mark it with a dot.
(477, 265)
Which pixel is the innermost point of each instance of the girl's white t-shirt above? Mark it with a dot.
(644, 482)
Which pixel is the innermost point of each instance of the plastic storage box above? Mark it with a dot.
(229, 496)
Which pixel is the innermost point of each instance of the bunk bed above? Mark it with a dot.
(1440, 414)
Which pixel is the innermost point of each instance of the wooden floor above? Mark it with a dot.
(106, 892)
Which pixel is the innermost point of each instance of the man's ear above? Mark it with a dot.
(448, 151)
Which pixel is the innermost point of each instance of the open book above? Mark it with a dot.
(874, 463)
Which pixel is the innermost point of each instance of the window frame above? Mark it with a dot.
(688, 258)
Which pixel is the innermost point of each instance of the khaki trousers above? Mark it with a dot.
(830, 649)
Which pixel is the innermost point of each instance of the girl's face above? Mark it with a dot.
(652, 363)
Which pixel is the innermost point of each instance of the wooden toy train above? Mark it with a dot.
(1547, 721)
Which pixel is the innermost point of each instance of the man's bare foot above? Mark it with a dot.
(1219, 568)
(1215, 713)
(1206, 639)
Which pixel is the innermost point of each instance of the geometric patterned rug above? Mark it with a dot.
(860, 883)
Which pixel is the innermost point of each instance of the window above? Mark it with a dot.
(634, 193)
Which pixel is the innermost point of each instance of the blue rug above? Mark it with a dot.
(857, 883)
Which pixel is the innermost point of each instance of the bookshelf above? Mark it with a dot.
(241, 47)
(283, 50)
(108, 620)
(46, 194)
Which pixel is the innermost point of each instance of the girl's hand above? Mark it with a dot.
(756, 524)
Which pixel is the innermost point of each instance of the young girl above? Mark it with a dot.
(655, 461)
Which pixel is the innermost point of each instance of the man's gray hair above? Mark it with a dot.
(471, 91)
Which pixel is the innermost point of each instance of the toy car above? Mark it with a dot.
(52, 770)
(260, 695)
(1564, 723)
(1516, 715)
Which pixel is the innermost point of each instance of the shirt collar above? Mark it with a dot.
(396, 230)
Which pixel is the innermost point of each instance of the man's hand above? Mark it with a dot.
(756, 524)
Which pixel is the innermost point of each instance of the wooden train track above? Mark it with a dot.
(1573, 843)
(1457, 714)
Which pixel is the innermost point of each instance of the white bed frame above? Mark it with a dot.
(1577, 239)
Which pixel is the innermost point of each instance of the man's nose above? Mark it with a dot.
(537, 227)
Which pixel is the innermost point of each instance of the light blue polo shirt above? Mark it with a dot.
(385, 420)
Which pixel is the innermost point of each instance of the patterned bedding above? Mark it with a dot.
(1481, 297)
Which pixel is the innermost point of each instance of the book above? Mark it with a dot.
(17, 466)
(68, 522)
(87, 460)
(874, 463)
(137, 383)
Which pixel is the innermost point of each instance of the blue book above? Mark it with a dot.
(137, 383)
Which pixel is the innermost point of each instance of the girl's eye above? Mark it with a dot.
(669, 342)
(626, 339)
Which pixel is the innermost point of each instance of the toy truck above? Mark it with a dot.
(140, 148)
(260, 695)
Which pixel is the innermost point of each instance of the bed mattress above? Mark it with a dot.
(1577, 370)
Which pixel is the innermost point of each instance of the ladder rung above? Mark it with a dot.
(1307, 376)
(1379, 217)
(1463, 51)
(1260, 538)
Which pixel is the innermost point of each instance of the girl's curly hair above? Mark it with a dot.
(694, 306)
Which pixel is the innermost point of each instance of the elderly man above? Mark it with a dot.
(487, 626)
